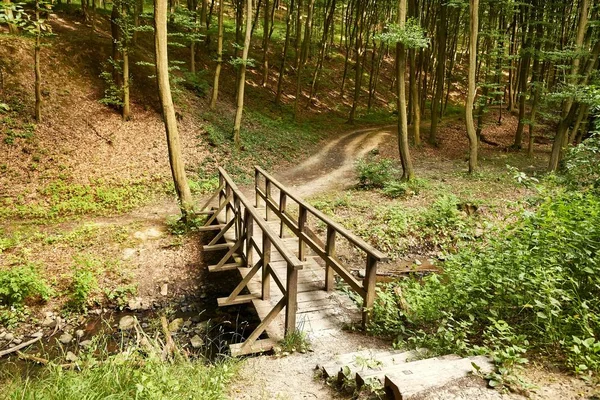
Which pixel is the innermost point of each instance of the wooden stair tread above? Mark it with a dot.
(259, 346)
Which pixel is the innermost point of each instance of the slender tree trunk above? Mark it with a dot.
(266, 45)
(408, 171)
(12, 28)
(242, 81)
(439, 76)
(215, 92)
(38, 73)
(164, 93)
(126, 109)
(286, 45)
(567, 116)
(472, 135)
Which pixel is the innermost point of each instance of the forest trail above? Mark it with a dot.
(331, 167)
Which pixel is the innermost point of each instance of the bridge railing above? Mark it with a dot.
(242, 216)
(264, 184)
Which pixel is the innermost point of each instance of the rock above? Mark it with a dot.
(71, 357)
(97, 311)
(17, 341)
(175, 325)
(417, 262)
(478, 232)
(362, 273)
(164, 289)
(202, 326)
(79, 333)
(187, 324)
(48, 314)
(145, 325)
(65, 338)
(196, 342)
(126, 323)
(195, 318)
(2, 335)
(85, 343)
(139, 303)
(9, 337)
(128, 253)
(49, 322)
(37, 334)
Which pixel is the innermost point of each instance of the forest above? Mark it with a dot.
(434, 163)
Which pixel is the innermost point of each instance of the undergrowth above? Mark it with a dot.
(534, 286)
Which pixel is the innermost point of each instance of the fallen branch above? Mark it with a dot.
(19, 347)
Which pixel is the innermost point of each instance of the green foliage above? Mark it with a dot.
(19, 284)
(134, 373)
(61, 198)
(113, 93)
(375, 173)
(14, 130)
(83, 284)
(581, 166)
(396, 189)
(535, 286)
(121, 294)
(178, 226)
(197, 82)
(412, 35)
(296, 341)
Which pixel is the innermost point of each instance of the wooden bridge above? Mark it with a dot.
(282, 239)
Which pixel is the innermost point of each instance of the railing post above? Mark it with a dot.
(227, 193)
(292, 299)
(282, 207)
(330, 251)
(249, 232)
(268, 198)
(369, 285)
(221, 182)
(256, 187)
(302, 215)
(266, 259)
(237, 210)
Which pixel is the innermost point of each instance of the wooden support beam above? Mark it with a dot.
(220, 246)
(302, 216)
(263, 325)
(330, 251)
(230, 253)
(369, 284)
(210, 228)
(217, 211)
(212, 197)
(225, 267)
(266, 259)
(249, 226)
(221, 233)
(238, 289)
(282, 208)
(291, 306)
(243, 299)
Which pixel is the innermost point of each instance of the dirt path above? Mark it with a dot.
(331, 168)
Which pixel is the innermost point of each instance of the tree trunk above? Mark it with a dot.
(407, 166)
(266, 45)
(439, 75)
(472, 135)
(215, 92)
(567, 116)
(242, 81)
(126, 110)
(168, 110)
(286, 45)
(12, 28)
(38, 73)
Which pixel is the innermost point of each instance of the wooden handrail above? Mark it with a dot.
(287, 255)
(358, 242)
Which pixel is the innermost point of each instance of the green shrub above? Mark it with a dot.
(541, 277)
(22, 283)
(375, 173)
(581, 166)
(83, 286)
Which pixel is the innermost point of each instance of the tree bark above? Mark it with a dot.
(439, 74)
(215, 92)
(407, 166)
(472, 135)
(242, 80)
(286, 45)
(38, 73)
(266, 45)
(168, 110)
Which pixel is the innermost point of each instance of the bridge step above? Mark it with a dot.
(225, 267)
(241, 299)
(260, 346)
(218, 246)
(211, 228)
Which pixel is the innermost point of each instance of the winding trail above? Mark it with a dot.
(332, 167)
